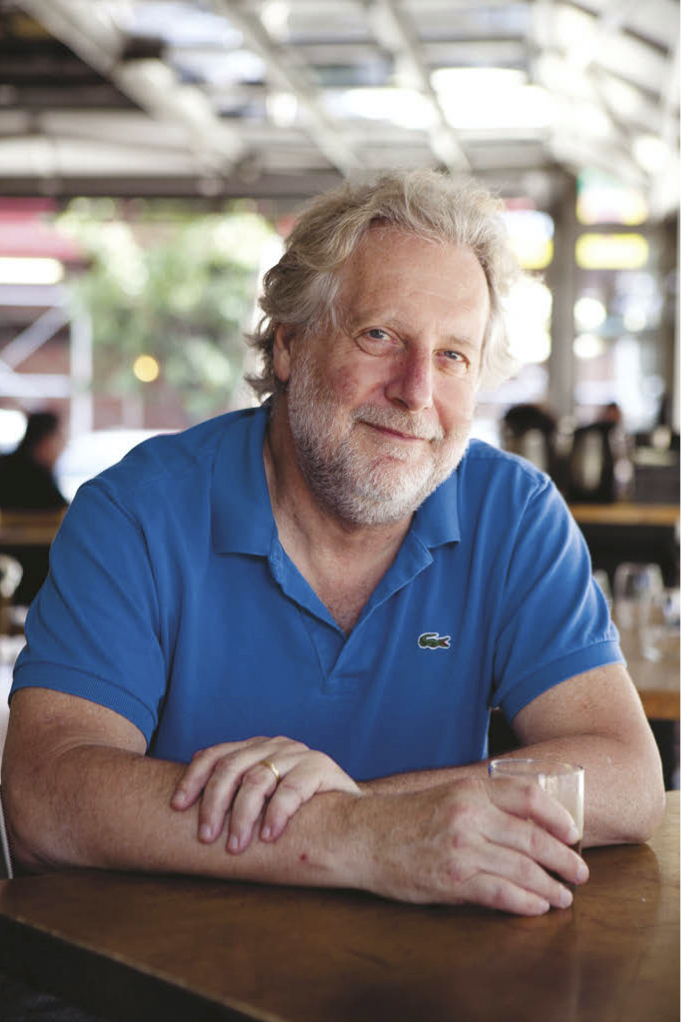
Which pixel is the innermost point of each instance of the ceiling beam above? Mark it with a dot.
(664, 186)
(581, 62)
(294, 185)
(95, 37)
(670, 100)
(607, 23)
(396, 34)
(324, 130)
(34, 336)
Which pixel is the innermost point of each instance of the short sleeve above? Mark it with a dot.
(93, 629)
(554, 622)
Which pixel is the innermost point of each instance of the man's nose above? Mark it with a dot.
(412, 382)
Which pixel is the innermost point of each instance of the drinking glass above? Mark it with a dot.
(636, 587)
(660, 626)
(563, 781)
(603, 582)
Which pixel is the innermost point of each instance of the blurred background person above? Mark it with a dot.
(27, 479)
(27, 483)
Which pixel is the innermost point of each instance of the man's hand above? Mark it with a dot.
(468, 840)
(232, 780)
(472, 840)
(78, 790)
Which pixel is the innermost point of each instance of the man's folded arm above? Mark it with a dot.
(80, 791)
(596, 720)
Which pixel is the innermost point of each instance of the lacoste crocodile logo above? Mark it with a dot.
(431, 640)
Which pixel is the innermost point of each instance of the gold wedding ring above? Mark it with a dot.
(268, 763)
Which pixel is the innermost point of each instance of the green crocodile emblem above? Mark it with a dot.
(431, 640)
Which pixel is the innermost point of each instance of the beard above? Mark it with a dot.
(360, 475)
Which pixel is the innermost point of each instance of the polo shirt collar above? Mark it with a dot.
(437, 520)
(242, 518)
(243, 521)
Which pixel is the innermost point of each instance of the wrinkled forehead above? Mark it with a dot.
(392, 262)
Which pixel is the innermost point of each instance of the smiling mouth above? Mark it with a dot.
(387, 431)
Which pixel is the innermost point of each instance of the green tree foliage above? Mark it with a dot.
(182, 291)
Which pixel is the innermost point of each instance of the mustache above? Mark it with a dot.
(412, 425)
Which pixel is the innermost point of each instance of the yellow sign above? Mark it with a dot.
(611, 251)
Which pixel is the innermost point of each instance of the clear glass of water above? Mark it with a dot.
(563, 781)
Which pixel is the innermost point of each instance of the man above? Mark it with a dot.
(342, 568)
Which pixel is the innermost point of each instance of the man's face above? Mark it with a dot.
(380, 407)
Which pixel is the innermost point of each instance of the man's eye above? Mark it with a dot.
(456, 360)
(375, 341)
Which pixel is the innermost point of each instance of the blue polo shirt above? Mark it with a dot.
(171, 601)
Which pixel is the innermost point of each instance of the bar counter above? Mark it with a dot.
(170, 949)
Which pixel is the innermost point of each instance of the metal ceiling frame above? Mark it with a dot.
(395, 32)
(149, 83)
(325, 132)
(204, 152)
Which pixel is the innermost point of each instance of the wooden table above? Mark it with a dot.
(623, 513)
(607, 528)
(28, 528)
(657, 682)
(168, 949)
(631, 532)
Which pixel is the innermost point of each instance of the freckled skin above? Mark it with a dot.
(382, 403)
(431, 302)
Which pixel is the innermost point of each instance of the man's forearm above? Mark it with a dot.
(109, 808)
(120, 818)
(617, 807)
(421, 780)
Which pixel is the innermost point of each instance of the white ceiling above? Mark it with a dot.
(279, 99)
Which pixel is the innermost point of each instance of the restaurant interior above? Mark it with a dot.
(153, 157)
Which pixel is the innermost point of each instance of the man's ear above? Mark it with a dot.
(284, 334)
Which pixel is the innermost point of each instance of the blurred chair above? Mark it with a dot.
(599, 465)
(591, 466)
(6, 872)
(531, 432)
(26, 536)
(10, 576)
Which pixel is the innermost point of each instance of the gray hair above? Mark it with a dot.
(302, 288)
